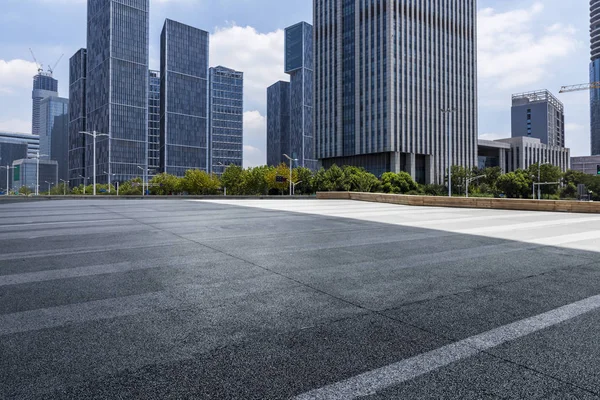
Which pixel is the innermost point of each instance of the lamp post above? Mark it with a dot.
(297, 183)
(109, 179)
(224, 187)
(49, 183)
(94, 134)
(37, 177)
(64, 187)
(291, 169)
(144, 171)
(539, 180)
(472, 180)
(84, 182)
(8, 168)
(448, 112)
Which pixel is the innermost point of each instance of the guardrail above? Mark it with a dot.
(472, 202)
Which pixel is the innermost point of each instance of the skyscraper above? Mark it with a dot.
(226, 118)
(384, 71)
(183, 98)
(117, 87)
(154, 123)
(278, 122)
(538, 115)
(77, 115)
(595, 75)
(44, 85)
(54, 132)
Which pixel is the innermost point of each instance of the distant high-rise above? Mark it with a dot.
(32, 141)
(184, 98)
(538, 115)
(226, 118)
(117, 87)
(299, 65)
(278, 122)
(384, 71)
(54, 132)
(154, 123)
(44, 85)
(595, 75)
(77, 115)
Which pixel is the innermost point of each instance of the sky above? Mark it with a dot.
(523, 45)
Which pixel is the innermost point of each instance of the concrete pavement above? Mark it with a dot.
(270, 299)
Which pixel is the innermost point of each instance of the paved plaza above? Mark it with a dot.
(296, 299)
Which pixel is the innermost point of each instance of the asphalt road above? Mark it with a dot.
(176, 299)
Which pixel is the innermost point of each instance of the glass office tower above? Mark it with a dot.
(226, 118)
(54, 132)
(298, 64)
(44, 85)
(184, 98)
(154, 123)
(384, 70)
(77, 115)
(278, 122)
(117, 87)
(595, 75)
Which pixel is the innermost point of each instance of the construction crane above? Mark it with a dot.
(577, 88)
(51, 69)
(37, 64)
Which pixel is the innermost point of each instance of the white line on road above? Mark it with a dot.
(376, 380)
(83, 221)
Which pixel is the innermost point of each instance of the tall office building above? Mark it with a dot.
(538, 115)
(595, 75)
(54, 132)
(226, 118)
(299, 65)
(154, 123)
(278, 122)
(77, 115)
(117, 87)
(183, 98)
(384, 71)
(44, 85)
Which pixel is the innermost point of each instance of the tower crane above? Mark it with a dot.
(37, 64)
(51, 69)
(577, 88)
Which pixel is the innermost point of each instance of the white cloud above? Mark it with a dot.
(15, 125)
(16, 74)
(255, 134)
(494, 136)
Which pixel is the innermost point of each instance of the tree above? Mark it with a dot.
(515, 184)
(25, 191)
(305, 176)
(335, 180)
(132, 187)
(165, 184)
(233, 179)
(255, 180)
(197, 182)
(359, 180)
(400, 182)
(548, 173)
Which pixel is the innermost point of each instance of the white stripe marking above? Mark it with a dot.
(376, 380)
(82, 222)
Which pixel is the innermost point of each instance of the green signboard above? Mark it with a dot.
(598, 169)
(17, 173)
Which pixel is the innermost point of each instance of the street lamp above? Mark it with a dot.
(472, 180)
(37, 178)
(109, 180)
(143, 180)
(84, 182)
(297, 183)
(448, 112)
(64, 186)
(539, 181)
(224, 187)
(291, 168)
(94, 134)
(49, 183)
(8, 168)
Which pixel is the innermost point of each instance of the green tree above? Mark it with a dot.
(305, 176)
(282, 170)
(255, 181)
(165, 184)
(515, 184)
(400, 182)
(359, 180)
(233, 179)
(547, 173)
(196, 182)
(25, 191)
(129, 188)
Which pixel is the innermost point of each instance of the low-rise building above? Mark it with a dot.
(10, 150)
(520, 153)
(25, 174)
(589, 164)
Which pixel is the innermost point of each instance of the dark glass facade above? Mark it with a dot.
(32, 141)
(25, 174)
(77, 116)
(184, 98)
(226, 118)
(10, 150)
(154, 123)
(54, 132)
(117, 87)
(44, 85)
(595, 75)
(278, 122)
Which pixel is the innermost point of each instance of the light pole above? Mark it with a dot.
(94, 134)
(37, 177)
(291, 169)
(8, 168)
(143, 180)
(84, 183)
(297, 183)
(472, 180)
(448, 112)
(109, 180)
(539, 180)
(49, 183)
(224, 187)
(64, 187)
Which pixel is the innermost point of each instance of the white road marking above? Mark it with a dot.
(80, 222)
(379, 379)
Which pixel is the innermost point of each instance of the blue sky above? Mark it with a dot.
(523, 45)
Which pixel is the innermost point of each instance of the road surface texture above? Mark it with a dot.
(305, 299)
